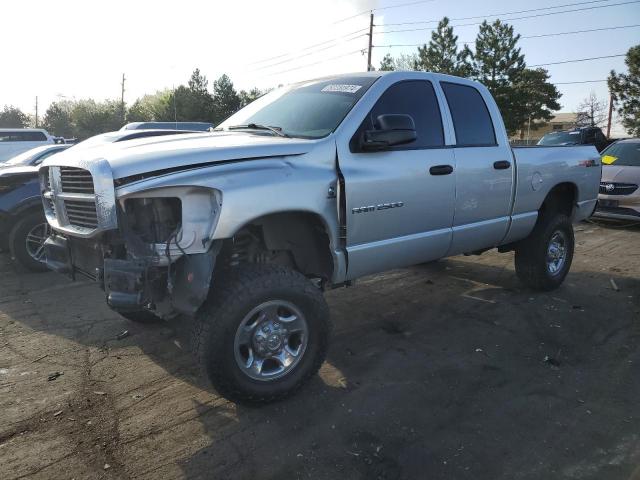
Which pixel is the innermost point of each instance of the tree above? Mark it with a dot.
(441, 55)
(91, 118)
(155, 107)
(13, 117)
(523, 95)
(405, 61)
(247, 97)
(532, 100)
(58, 120)
(387, 64)
(592, 112)
(625, 90)
(226, 100)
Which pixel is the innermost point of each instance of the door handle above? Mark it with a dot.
(501, 164)
(441, 170)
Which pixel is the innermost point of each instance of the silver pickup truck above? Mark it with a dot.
(308, 188)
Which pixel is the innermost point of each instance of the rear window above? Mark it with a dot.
(623, 154)
(471, 120)
(19, 136)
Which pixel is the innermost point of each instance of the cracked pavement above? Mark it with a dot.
(437, 370)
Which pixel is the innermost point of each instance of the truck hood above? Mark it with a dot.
(156, 154)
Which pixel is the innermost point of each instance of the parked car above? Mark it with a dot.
(619, 188)
(23, 227)
(17, 140)
(192, 126)
(309, 187)
(577, 136)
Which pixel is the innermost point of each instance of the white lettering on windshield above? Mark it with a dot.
(342, 88)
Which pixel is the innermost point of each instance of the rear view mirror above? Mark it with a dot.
(391, 129)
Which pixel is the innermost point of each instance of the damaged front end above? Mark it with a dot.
(155, 254)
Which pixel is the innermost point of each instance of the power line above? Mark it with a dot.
(501, 13)
(515, 18)
(308, 47)
(364, 12)
(263, 67)
(580, 81)
(361, 50)
(555, 34)
(577, 60)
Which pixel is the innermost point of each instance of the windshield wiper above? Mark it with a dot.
(255, 126)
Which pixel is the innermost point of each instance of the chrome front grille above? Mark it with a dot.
(81, 214)
(70, 197)
(76, 180)
(78, 200)
(614, 188)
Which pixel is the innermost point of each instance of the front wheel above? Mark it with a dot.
(544, 258)
(26, 241)
(262, 334)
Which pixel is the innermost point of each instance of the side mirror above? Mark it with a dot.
(391, 129)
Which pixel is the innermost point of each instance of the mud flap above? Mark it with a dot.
(192, 281)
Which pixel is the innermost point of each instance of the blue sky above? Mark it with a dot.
(79, 48)
(536, 50)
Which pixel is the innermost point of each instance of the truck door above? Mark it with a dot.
(400, 201)
(484, 171)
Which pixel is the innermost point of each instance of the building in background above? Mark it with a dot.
(561, 121)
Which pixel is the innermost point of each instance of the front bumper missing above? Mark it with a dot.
(137, 284)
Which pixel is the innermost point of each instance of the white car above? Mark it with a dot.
(17, 140)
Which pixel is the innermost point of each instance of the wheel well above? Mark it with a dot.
(561, 198)
(295, 239)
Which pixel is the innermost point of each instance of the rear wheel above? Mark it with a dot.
(263, 333)
(544, 258)
(26, 241)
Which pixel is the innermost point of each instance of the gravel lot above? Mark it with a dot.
(436, 371)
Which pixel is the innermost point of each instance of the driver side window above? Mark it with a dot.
(415, 98)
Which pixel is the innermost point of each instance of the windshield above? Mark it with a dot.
(311, 109)
(622, 154)
(33, 156)
(560, 138)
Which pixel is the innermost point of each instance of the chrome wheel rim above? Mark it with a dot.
(556, 252)
(34, 241)
(271, 340)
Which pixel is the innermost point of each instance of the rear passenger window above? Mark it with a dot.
(471, 119)
(417, 99)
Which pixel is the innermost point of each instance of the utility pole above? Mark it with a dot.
(122, 97)
(369, 66)
(610, 114)
(36, 111)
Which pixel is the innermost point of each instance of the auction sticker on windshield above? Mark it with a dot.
(341, 88)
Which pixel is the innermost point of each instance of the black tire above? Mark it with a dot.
(531, 254)
(141, 316)
(234, 296)
(18, 241)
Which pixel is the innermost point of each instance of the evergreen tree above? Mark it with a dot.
(625, 89)
(441, 55)
(522, 94)
(226, 100)
(387, 64)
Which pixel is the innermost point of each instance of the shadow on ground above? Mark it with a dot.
(445, 370)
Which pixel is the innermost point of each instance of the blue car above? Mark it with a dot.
(23, 228)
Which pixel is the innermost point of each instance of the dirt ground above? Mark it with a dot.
(435, 371)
